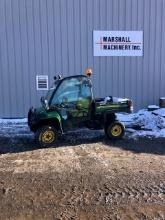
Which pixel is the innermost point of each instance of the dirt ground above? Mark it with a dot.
(85, 177)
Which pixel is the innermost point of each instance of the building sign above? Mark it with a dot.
(118, 43)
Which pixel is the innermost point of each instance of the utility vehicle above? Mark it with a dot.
(70, 104)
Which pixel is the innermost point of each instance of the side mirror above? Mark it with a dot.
(46, 104)
(42, 99)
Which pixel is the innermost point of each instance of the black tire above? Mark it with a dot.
(46, 136)
(115, 130)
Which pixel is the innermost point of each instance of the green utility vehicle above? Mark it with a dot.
(69, 105)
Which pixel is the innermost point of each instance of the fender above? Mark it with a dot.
(55, 116)
(42, 117)
(109, 116)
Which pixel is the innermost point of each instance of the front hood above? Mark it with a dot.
(40, 112)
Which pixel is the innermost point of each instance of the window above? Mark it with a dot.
(71, 90)
(68, 91)
(42, 82)
(85, 89)
(49, 93)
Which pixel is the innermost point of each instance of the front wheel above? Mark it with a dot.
(115, 130)
(46, 136)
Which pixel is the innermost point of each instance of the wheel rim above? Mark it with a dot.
(48, 137)
(116, 130)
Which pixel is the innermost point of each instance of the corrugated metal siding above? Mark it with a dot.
(55, 36)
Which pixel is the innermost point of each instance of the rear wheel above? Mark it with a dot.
(115, 130)
(46, 136)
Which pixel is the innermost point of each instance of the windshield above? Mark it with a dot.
(49, 94)
(51, 90)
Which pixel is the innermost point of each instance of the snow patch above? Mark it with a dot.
(14, 128)
(144, 123)
(13, 121)
(160, 112)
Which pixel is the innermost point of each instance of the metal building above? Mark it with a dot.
(46, 37)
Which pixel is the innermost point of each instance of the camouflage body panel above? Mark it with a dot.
(113, 107)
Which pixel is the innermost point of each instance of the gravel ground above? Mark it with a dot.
(84, 177)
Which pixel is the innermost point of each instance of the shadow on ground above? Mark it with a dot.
(22, 143)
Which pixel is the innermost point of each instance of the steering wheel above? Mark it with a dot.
(64, 99)
(66, 104)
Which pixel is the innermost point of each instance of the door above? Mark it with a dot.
(73, 101)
